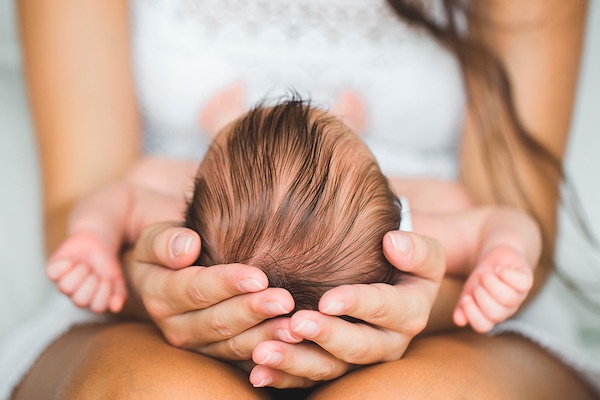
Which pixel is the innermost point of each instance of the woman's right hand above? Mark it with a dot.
(197, 306)
(393, 315)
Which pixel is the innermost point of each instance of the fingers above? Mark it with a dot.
(240, 347)
(169, 292)
(100, 301)
(520, 280)
(89, 290)
(394, 313)
(418, 255)
(403, 307)
(56, 269)
(459, 317)
(478, 321)
(83, 295)
(354, 343)
(118, 296)
(226, 319)
(504, 293)
(262, 376)
(73, 278)
(302, 364)
(168, 245)
(196, 306)
(491, 299)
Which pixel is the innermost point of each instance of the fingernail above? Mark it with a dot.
(307, 328)
(264, 382)
(272, 358)
(181, 244)
(335, 308)
(401, 243)
(285, 336)
(275, 308)
(250, 285)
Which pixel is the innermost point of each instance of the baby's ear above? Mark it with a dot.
(351, 109)
(223, 108)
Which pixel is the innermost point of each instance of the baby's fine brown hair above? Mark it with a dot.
(291, 190)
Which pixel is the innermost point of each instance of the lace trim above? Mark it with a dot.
(372, 20)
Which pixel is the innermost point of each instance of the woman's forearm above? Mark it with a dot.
(76, 63)
(440, 318)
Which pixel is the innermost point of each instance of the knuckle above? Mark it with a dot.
(326, 371)
(155, 308)
(357, 354)
(175, 338)
(496, 315)
(196, 295)
(219, 325)
(504, 299)
(382, 309)
(395, 352)
(235, 349)
(380, 312)
(416, 324)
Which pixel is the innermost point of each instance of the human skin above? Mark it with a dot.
(160, 370)
(496, 247)
(54, 61)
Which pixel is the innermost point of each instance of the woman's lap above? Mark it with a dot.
(132, 360)
(129, 360)
(463, 365)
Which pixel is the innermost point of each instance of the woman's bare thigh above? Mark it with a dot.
(129, 360)
(463, 366)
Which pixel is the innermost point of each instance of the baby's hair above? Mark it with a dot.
(293, 192)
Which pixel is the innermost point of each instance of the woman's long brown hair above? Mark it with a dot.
(500, 132)
(497, 124)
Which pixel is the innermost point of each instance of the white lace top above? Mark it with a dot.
(186, 51)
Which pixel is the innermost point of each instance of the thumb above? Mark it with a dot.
(415, 254)
(169, 245)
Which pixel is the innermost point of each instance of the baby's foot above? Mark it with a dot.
(222, 108)
(86, 268)
(351, 109)
(494, 290)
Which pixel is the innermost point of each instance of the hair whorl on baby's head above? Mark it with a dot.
(290, 190)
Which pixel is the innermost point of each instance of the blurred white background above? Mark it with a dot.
(22, 282)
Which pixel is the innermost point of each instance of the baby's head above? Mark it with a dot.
(291, 190)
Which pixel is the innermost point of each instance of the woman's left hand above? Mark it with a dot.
(395, 315)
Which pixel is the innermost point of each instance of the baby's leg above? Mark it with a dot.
(495, 289)
(86, 268)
